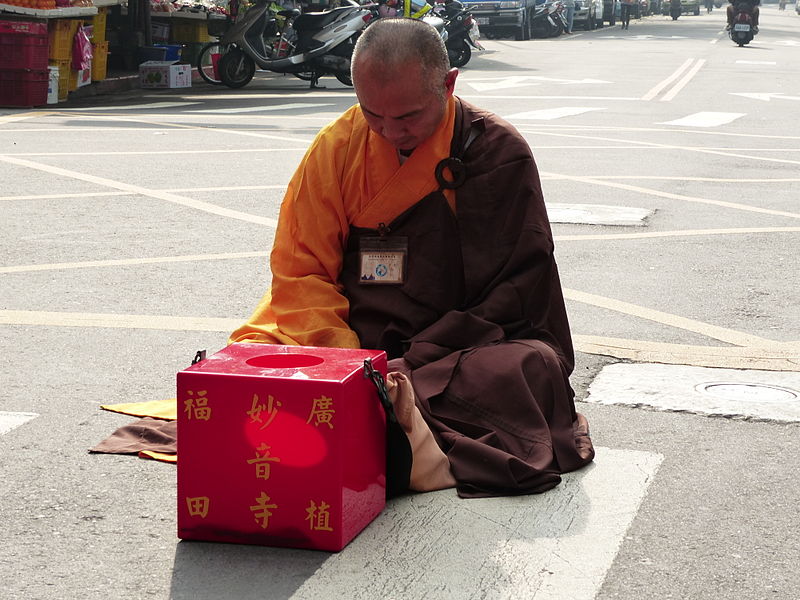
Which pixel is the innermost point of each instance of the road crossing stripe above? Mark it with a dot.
(554, 546)
(135, 189)
(131, 106)
(130, 261)
(705, 119)
(548, 114)
(291, 106)
(12, 420)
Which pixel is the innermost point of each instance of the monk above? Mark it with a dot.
(415, 224)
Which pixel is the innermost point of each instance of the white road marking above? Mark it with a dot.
(595, 214)
(764, 395)
(722, 334)
(765, 96)
(118, 321)
(130, 261)
(555, 546)
(683, 81)
(756, 62)
(705, 119)
(130, 106)
(12, 420)
(248, 109)
(176, 151)
(548, 114)
(655, 91)
(135, 189)
(515, 81)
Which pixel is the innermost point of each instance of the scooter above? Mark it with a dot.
(311, 46)
(459, 24)
(742, 30)
(675, 9)
(546, 21)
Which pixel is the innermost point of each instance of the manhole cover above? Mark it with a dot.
(749, 392)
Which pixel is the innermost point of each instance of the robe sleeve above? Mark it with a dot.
(305, 305)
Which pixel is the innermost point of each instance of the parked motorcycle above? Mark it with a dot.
(675, 9)
(742, 30)
(548, 20)
(313, 46)
(459, 24)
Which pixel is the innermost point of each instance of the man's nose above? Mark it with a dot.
(392, 129)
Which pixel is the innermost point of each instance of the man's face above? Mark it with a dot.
(403, 110)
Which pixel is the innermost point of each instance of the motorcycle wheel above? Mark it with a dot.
(236, 69)
(461, 55)
(205, 62)
(345, 79)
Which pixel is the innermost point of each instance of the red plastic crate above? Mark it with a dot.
(23, 88)
(23, 51)
(23, 28)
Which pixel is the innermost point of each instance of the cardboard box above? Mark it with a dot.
(280, 446)
(52, 85)
(164, 74)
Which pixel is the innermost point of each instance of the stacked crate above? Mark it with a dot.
(99, 45)
(62, 34)
(23, 63)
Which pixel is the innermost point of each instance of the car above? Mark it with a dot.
(587, 14)
(687, 6)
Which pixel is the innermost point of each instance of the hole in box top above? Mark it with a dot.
(284, 361)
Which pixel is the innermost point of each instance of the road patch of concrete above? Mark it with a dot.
(597, 214)
(748, 394)
(556, 545)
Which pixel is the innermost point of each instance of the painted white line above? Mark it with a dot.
(657, 89)
(291, 106)
(12, 420)
(555, 546)
(763, 395)
(150, 106)
(669, 195)
(165, 322)
(781, 356)
(548, 114)
(65, 196)
(130, 261)
(596, 214)
(668, 234)
(722, 334)
(175, 151)
(705, 119)
(766, 96)
(756, 62)
(135, 189)
(682, 83)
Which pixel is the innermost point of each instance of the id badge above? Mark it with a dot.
(383, 260)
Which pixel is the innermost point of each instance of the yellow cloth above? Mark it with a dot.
(159, 456)
(349, 176)
(158, 409)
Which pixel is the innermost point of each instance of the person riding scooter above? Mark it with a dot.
(750, 6)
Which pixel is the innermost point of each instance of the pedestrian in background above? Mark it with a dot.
(570, 6)
(625, 12)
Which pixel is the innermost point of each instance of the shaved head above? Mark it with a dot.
(390, 47)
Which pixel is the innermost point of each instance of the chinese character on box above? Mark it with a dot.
(280, 446)
(164, 74)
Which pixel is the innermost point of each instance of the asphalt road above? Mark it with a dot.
(136, 229)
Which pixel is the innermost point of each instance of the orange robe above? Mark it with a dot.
(349, 176)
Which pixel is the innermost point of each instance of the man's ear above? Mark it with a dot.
(450, 82)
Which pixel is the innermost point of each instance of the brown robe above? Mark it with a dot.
(480, 324)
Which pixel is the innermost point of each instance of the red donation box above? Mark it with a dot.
(280, 446)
